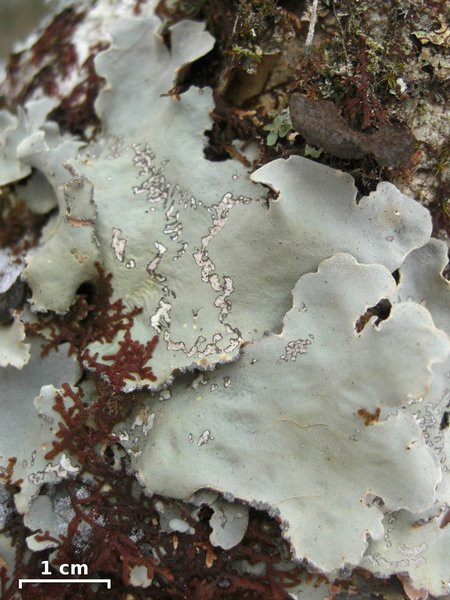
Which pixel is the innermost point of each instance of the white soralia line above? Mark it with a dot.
(107, 581)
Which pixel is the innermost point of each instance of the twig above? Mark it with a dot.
(312, 24)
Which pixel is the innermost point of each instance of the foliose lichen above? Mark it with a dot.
(225, 336)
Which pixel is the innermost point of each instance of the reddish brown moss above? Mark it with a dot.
(55, 42)
(51, 58)
(99, 320)
(131, 358)
(124, 525)
(14, 530)
(46, 65)
(76, 113)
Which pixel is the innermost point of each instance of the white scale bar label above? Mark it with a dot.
(107, 581)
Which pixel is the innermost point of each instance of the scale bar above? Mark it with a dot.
(107, 581)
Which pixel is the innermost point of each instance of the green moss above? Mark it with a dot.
(280, 127)
(254, 32)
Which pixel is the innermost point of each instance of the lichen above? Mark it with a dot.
(19, 387)
(297, 413)
(416, 544)
(166, 279)
(169, 245)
